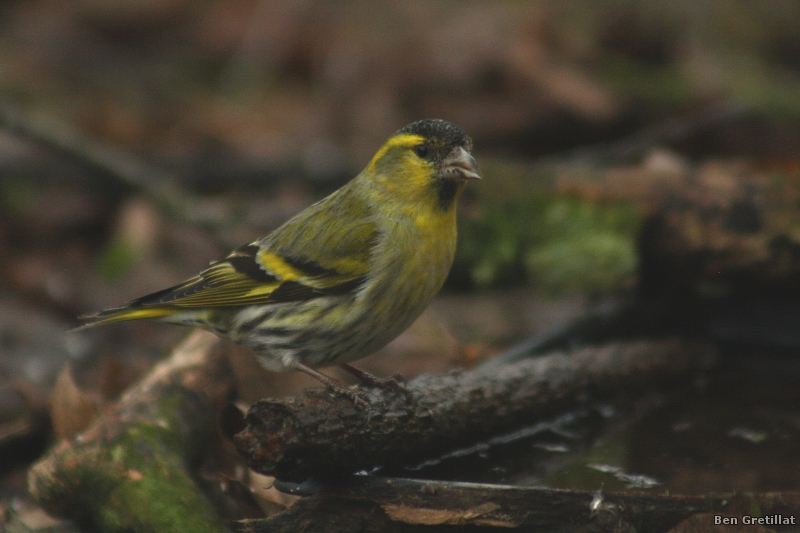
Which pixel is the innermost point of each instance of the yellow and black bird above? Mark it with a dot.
(345, 276)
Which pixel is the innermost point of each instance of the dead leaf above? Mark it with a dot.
(454, 517)
(70, 409)
(271, 500)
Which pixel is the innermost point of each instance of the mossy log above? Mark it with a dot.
(323, 434)
(711, 228)
(130, 470)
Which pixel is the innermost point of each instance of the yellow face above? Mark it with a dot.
(409, 169)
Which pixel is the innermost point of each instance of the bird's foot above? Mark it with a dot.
(359, 398)
(394, 384)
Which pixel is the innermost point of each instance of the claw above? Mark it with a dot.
(355, 396)
(358, 398)
(395, 383)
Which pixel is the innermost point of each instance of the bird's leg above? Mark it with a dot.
(393, 383)
(334, 385)
(362, 375)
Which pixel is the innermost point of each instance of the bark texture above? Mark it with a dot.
(321, 434)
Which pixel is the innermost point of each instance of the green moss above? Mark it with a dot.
(160, 496)
(562, 244)
(591, 263)
(139, 482)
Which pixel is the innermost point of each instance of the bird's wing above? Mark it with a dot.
(260, 273)
(325, 250)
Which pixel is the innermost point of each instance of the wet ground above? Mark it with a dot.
(736, 427)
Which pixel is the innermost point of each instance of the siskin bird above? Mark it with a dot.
(343, 277)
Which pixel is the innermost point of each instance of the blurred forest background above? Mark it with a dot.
(252, 109)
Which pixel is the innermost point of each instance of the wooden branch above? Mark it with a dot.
(130, 470)
(365, 503)
(322, 434)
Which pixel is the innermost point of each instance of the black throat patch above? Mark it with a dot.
(447, 190)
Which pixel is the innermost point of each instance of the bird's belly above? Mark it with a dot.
(402, 292)
(332, 333)
(333, 330)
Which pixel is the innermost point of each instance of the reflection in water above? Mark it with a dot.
(736, 429)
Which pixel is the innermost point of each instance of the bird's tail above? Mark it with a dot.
(122, 314)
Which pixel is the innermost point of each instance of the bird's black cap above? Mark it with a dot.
(442, 131)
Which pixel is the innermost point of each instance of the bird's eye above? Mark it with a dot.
(422, 150)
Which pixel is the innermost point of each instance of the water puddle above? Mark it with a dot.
(736, 428)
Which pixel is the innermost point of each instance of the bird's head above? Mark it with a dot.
(427, 162)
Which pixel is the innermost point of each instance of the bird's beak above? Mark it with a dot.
(460, 164)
